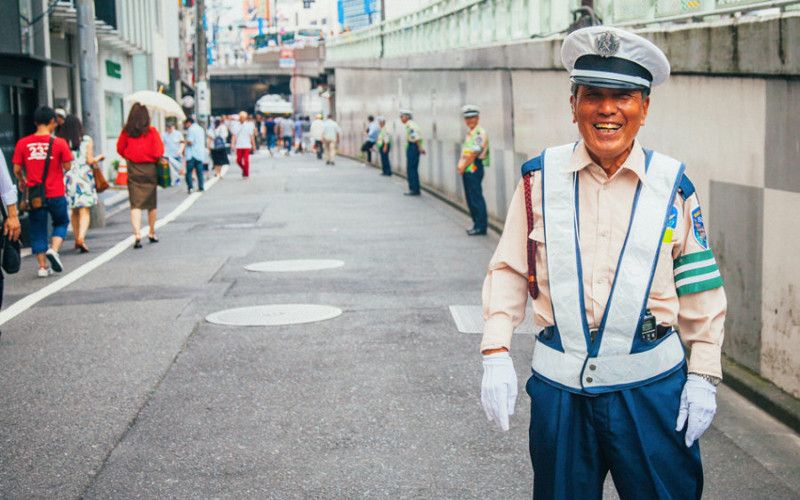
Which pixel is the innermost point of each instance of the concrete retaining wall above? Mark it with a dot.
(731, 112)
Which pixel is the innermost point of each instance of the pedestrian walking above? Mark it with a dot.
(174, 145)
(372, 132)
(287, 133)
(298, 134)
(330, 137)
(195, 154)
(11, 226)
(245, 142)
(40, 161)
(81, 190)
(474, 159)
(608, 239)
(219, 149)
(414, 148)
(270, 126)
(141, 147)
(316, 134)
(384, 145)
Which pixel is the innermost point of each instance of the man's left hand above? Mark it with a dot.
(698, 407)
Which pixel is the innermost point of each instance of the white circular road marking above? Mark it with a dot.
(274, 315)
(293, 266)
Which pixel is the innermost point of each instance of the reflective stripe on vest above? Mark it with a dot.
(607, 363)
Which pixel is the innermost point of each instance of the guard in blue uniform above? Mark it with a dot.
(608, 239)
(415, 146)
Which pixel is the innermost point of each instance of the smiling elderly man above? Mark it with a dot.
(608, 239)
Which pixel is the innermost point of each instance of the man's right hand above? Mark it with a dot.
(499, 388)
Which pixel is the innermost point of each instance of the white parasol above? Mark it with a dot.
(158, 102)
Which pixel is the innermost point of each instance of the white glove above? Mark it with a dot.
(499, 388)
(698, 406)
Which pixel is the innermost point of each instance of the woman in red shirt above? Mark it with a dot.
(140, 144)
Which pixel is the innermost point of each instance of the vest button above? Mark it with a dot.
(592, 367)
(589, 379)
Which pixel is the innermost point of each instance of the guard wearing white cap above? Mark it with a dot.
(474, 158)
(608, 239)
(414, 148)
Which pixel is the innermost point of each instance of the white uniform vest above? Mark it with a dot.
(617, 358)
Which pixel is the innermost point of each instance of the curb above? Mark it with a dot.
(763, 393)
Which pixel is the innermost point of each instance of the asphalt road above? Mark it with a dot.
(116, 387)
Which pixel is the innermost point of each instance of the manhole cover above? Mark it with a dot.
(293, 266)
(274, 315)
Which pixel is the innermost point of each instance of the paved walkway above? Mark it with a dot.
(115, 386)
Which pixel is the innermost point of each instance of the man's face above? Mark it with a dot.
(471, 121)
(608, 119)
(242, 117)
(59, 120)
(404, 118)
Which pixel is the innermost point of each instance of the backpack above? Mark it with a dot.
(219, 142)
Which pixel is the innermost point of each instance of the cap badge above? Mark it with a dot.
(606, 44)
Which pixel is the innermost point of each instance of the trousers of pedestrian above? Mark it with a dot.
(386, 164)
(329, 146)
(288, 142)
(243, 160)
(193, 164)
(474, 194)
(575, 440)
(318, 148)
(412, 166)
(56, 209)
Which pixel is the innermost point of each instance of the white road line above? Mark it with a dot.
(29, 301)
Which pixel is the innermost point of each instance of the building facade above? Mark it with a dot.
(135, 41)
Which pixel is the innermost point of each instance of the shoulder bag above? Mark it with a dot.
(35, 196)
(11, 259)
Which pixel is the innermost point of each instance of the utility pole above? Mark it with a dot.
(383, 21)
(90, 104)
(202, 97)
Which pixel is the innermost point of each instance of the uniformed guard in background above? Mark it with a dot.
(608, 239)
(414, 148)
(474, 159)
(384, 145)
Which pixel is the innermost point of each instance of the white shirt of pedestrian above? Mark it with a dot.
(330, 129)
(244, 135)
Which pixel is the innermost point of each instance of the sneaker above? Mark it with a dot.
(44, 272)
(55, 260)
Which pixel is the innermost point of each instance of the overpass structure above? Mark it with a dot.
(238, 87)
(731, 112)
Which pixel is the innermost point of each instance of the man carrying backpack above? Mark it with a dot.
(218, 145)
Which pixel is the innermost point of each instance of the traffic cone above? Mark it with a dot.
(122, 175)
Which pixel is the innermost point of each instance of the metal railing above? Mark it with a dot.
(459, 24)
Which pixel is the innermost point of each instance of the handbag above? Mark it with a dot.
(100, 182)
(163, 173)
(35, 196)
(11, 258)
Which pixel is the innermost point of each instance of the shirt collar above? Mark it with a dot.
(635, 161)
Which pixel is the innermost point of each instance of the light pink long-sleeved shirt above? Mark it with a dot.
(697, 308)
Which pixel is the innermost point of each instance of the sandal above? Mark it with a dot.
(137, 244)
(152, 239)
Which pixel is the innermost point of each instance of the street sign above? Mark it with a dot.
(286, 59)
(113, 69)
(203, 99)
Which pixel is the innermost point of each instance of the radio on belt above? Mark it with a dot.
(649, 327)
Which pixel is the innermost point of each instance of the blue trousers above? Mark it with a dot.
(412, 164)
(386, 164)
(474, 195)
(196, 165)
(56, 208)
(575, 440)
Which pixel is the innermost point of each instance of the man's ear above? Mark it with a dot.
(645, 107)
(572, 101)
